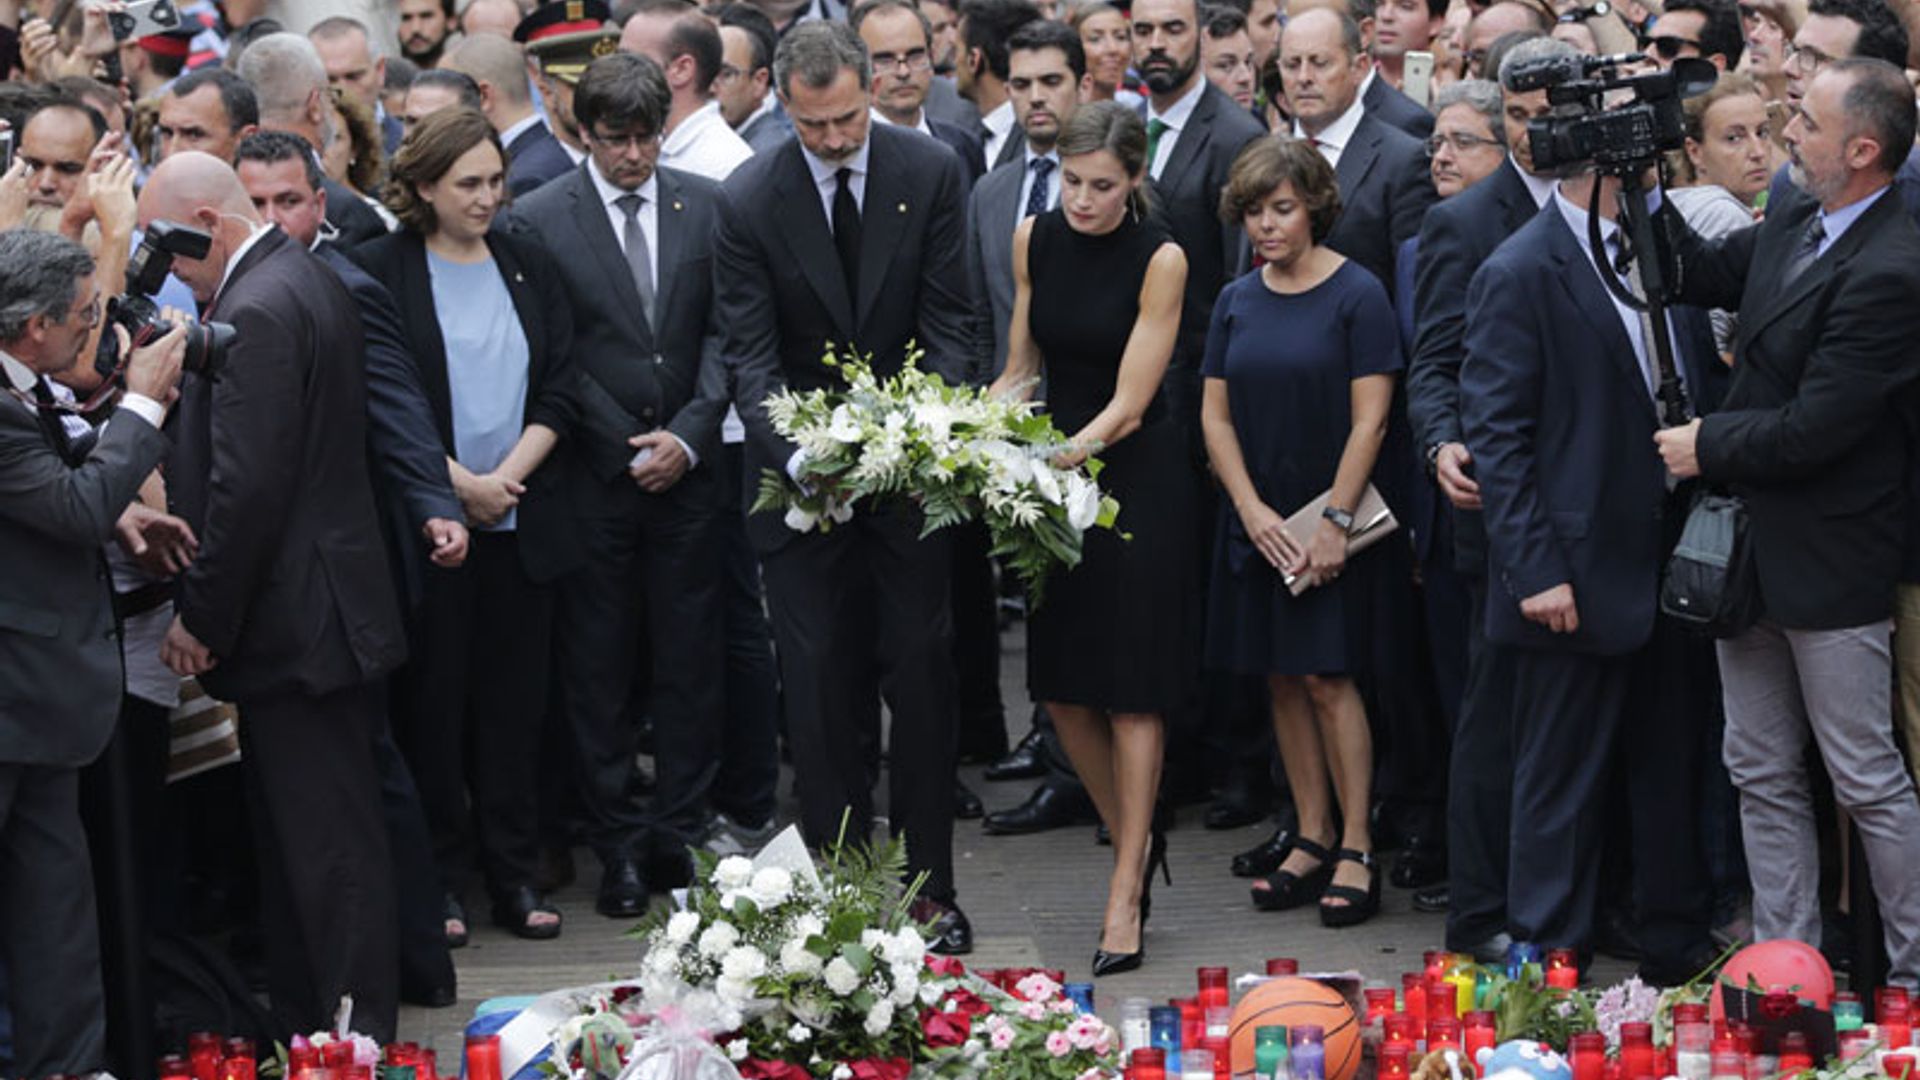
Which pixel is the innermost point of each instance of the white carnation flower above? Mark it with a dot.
(841, 978)
(682, 927)
(1083, 502)
(734, 872)
(771, 886)
(871, 939)
(879, 1019)
(715, 940)
(737, 1050)
(743, 962)
(844, 427)
(807, 925)
(908, 947)
(842, 1072)
(738, 991)
(797, 959)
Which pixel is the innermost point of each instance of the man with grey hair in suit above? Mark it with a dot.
(64, 491)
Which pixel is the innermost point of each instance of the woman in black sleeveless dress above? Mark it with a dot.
(1112, 646)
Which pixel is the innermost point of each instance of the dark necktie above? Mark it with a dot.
(1155, 129)
(49, 414)
(1804, 254)
(1037, 198)
(634, 239)
(846, 232)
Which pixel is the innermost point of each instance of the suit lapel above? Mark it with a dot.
(1013, 149)
(417, 285)
(804, 221)
(1582, 283)
(1191, 143)
(590, 216)
(1516, 199)
(1815, 276)
(670, 219)
(1358, 156)
(883, 219)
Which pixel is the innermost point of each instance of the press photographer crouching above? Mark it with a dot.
(64, 490)
(1813, 437)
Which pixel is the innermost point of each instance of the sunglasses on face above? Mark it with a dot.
(1669, 46)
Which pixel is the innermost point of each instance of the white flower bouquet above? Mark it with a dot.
(958, 452)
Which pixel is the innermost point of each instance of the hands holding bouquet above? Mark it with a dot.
(960, 453)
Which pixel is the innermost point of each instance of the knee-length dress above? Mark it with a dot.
(1120, 631)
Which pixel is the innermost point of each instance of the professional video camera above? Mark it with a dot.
(134, 309)
(1625, 137)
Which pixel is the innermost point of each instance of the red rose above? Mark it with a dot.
(943, 1029)
(880, 1069)
(1779, 1004)
(966, 1001)
(945, 965)
(754, 1069)
(622, 994)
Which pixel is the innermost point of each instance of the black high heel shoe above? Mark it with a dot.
(1360, 905)
(1113, 963)
(1286, 889)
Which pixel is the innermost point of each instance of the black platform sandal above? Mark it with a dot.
(1286, 890)
(1361, 904)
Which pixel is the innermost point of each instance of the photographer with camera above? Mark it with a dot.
(1562, 383)
(288, 610)
(1814, 437)
(60, 664)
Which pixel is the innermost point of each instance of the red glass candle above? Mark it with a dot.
(175, 1067)
(1393, 1061)
(357, 1072)
(1443, 1033)
(1479, 1033)
(428, 1066)
(203, 1055)
(1443, 1000)
(1213, 986)
(1222, 1050)
(1379, 1003)
(1148, 1063)
(483, 1057)
(1413, 996)
(1436, 962)
(1282, 965)
(1589, 1052)
(237, 1068)
(302, 1058)
(337, 1054)
(1893, 1012)
(1402, 1027)
(1611, 1071)
(1193, 1021)
(1636, 1051)
(1563, 969)
(1795, 1055)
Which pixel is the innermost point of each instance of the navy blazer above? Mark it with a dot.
(1187, 194)
(549, 543)
(1385, 190)
(1560, 422)
(533, 158)
(1397, 109)
(964, 143)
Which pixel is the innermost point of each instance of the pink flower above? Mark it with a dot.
(1063, 1005)
(1036, 987)
(1033, 1010)
(1057, 1044)
(1086, 1031)
(999, 1034)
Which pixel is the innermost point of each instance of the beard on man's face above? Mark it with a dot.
(1163, 73)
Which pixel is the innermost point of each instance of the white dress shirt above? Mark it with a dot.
(1175, 118)
(649, 216)
(24, 379)
(919, 124)
(1334, 139)
(826, 183)
(999, 124)
(1540, 187)
(704, 145)
(1053, 179)
(1631, 318)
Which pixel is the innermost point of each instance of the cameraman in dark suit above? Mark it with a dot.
(1815, 436)
(288, 609)
(634, 246)
(60, 664)
(852, 232)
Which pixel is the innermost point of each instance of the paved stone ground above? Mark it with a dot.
(1033, 900)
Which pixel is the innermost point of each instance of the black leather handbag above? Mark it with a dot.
(1711, 586)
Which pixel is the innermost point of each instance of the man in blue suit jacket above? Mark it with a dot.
(1559, 413)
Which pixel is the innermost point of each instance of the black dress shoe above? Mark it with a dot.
(1422, 862)
(623, 892)
(1265, 857)
(1434, 899)
(1024, 762)
(1052, 805)
(1235, 808)
(946, 927)
(966, 805)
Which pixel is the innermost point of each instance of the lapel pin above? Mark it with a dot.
(676, 204)
(519, 278)
(903, 208)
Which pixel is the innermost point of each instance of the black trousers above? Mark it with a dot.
(976, 643)
(49, 941)
(746, 787)
(870, 590)
(1480, 785)
(326, 871)
(425, 963)
(474, 693)
(651, 558)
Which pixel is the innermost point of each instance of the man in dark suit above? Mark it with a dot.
(1393, 108)
(852, 235)
(1816, 437)
(745, 86)
(898, 36)
(647, 497)
(499, 69)
(288, 610)
(1384, 185)
(290, 86)
(1457, 237)
(1558, 405)
(417, 503)
(61, 677)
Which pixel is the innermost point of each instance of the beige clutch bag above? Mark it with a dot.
(1373, 521)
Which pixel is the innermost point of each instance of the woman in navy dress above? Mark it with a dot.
(1299, 374)
(1111, 647)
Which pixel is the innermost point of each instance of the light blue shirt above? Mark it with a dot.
(1632, 320)
(1837, 222)
(487, 361)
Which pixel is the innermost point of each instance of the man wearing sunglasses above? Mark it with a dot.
(1708, 29)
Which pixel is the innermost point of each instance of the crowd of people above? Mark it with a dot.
(425, 497)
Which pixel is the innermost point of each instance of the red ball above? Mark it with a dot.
(1291, 1001)
(1779, 965)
